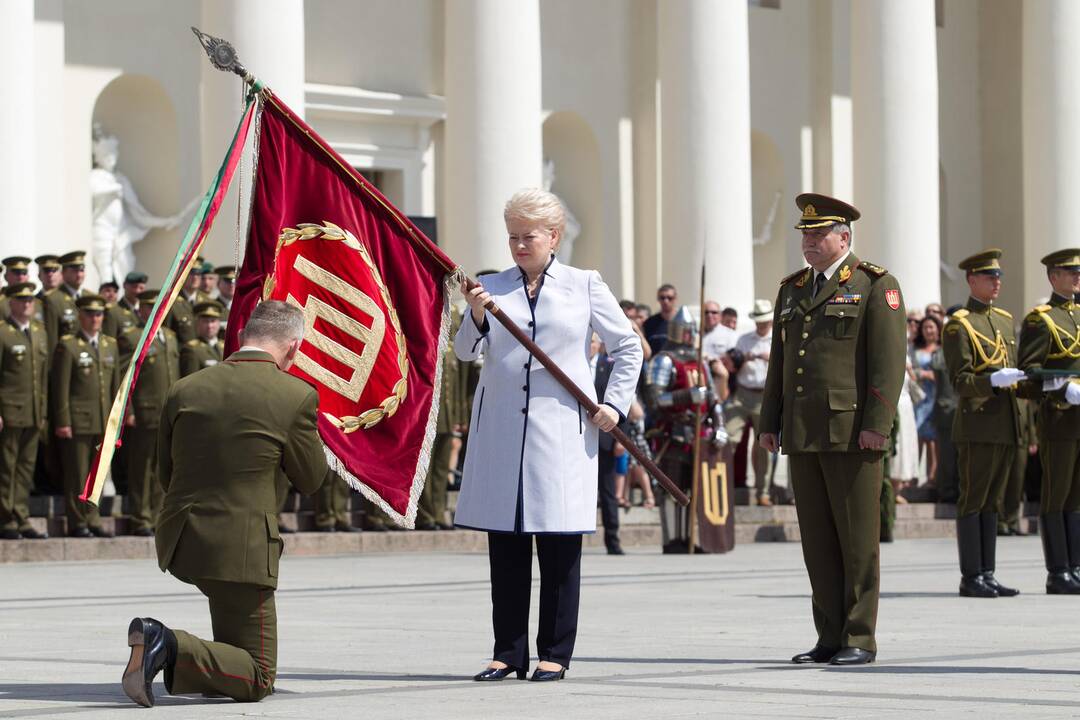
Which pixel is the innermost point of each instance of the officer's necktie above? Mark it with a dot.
(819, 282)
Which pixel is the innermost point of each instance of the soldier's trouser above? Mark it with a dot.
(1061, 476)
(984, 472)
(332, 503)
(838, 501)
(241, 661)
(18, 453)
(1012, 495)
(432, 506)
(144, 491)
(888, 510)
(76, 455)
(745, 410)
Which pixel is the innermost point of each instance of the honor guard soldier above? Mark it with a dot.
(123, 315)
(61, 313)
(160, 369)
(24, 360)
(1050, 354)
(835, 372)
(980, 351)
(204, 350)
(676, 390)
(181, 319)
(16, 270)
(83, 379)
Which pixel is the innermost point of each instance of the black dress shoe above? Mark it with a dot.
(492, 674)
(853, 656)
(100, 532)
(1001, 590)
(976, 587)
(80, 533)
(1062, 582)
(32, 534)
(818, 654)
(444, 526)
(325, 528)
(347, 528)
(9, 535)
(285, 529)
(153, 648)
(547, 675)
(427, 526)
(615, 550)
(143, 532)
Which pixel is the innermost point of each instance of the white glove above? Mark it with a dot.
(1072, 394)
(1006, 377)
(1053, 384)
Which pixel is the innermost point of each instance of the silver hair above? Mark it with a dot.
(844, 227)
(275, 321)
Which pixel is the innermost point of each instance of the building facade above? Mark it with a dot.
(676, 131)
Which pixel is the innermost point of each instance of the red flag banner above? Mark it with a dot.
(375, 299)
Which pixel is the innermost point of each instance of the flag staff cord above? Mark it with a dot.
(223, 56)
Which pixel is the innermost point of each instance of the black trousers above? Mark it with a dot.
(511, 588)
(609, 504)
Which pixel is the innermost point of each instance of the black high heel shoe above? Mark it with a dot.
(547, 675)
(491, 674)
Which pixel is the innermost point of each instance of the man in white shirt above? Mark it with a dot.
(745, 407)
(718, 339)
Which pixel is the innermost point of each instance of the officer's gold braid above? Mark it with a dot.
(1056, 333)
(998, 355)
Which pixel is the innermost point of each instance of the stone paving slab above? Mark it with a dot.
(399, 635)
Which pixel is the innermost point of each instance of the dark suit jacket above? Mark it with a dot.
(225, 432)
(603, 372)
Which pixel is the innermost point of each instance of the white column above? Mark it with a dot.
(705, 150)
(269, 38)
(895, 118)
(493, 123)
(1051, 143)
(17, 127)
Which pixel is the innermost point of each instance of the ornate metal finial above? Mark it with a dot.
(222, 55)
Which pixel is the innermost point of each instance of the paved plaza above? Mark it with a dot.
(399, 635)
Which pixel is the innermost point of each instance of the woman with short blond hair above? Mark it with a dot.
(531, 463)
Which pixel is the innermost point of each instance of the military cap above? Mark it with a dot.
(48, 261)
(136, 277)
(208, 268)
(983, 263)
(226, 272)
(90, 303)
(149, 296)
(1069, 259)
(76, 257)
(822, 210)
(196, 268)
(16, 262)
(210, 309)
(20, 290)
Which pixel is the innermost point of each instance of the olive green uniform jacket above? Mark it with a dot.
(119, 318)
(181, 317)
(1050, 339)
(24, 362)
(245, 419)
(197, 354)
(60, 315)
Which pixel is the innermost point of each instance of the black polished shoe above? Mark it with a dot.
(153, 647)
(547, 675)
(817, 654)
(427, 526)
(80, 533)
(9, 535)
(976, 587)
(1062, 582)
(100, 532)
(492, 674)
(284, 529)
(347, 528)
(615, 549)
(445, 526)
(143, 532)
(1001, 590)
(853, 656)
(32, 534)
(324, 528)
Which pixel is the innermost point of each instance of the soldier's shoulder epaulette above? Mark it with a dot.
(1040, 309)
(1006, 313)
(961, 313)
(795, 275)
(872, 269)
(67, 338)
(193, 342)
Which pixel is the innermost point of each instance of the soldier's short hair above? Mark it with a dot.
(844, 227)
(275, 321)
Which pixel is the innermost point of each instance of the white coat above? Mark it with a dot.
(525, 427)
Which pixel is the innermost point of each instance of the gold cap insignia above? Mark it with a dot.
(809, 211)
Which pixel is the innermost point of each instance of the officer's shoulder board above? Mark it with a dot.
(872, 269)
(953, 323)
(1006, 313)
(795, 275)
(1034, 315)
(193, 343)
(961, 313)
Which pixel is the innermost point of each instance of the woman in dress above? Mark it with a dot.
(926, 342)
(530, 467)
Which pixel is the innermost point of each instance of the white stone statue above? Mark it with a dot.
(119, 219)
(573, 227)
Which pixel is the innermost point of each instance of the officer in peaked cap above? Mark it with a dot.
(980, 352)
(60, 311)
(203, 350)
(1050, 341)
(836, 367)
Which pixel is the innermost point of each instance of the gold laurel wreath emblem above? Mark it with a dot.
(330, 231)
